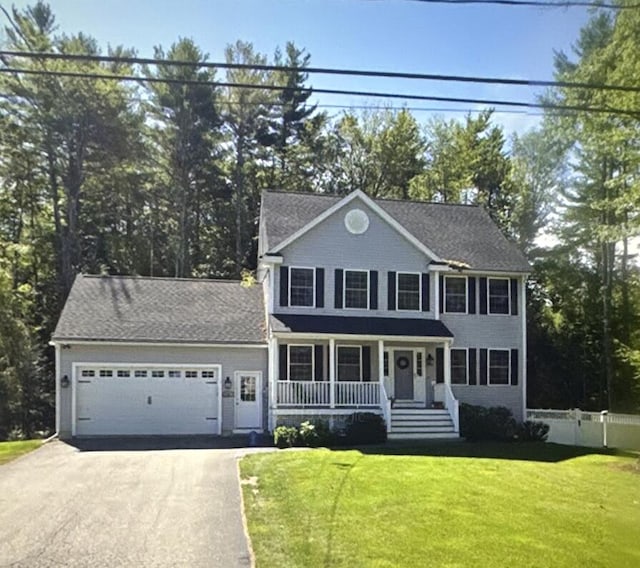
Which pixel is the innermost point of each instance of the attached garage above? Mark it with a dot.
(147, 400)
(160, 356)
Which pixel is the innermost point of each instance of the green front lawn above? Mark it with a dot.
(11, 450)
(445, 505)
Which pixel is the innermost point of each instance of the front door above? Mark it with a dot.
(403, 375)
(248, 400)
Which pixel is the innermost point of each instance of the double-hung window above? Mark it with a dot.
(356, 289)
(408, 291)
(455, 300)
(499, 367)
(459, 374)
(498, 295)
(301, 364)
(302, 287)
(349, 361)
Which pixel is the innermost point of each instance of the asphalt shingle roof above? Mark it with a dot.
(410, 327)
(461, 233)
(138, 309)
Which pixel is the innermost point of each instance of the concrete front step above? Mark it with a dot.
(420, 411)
(417, 422)
(422, 436)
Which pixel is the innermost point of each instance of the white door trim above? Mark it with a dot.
(236, 386)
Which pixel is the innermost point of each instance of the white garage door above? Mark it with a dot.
(146, 400)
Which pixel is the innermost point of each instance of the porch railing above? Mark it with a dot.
(443, 393)
(318, 393)
(386, 406)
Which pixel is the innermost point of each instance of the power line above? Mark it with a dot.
(370, 94)
(323, 71)
(534, 3)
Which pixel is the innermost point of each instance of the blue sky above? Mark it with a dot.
(398, 35)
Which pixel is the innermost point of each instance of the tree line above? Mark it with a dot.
(163, 178)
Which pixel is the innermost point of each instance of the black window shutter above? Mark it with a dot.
(391, 291)
(373, 290)
(318, 358)
(319, 287)
(514, 297)
(441, 284)
(284, 286)
(338, 288)
(483, 295)
(366, 363)
(471, 289)
(283, 363)
(425, 291)
(472, 366)
(514, 367)
(439, 365)
(483, 366)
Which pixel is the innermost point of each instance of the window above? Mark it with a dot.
(106, 373)
(248, 388)
(408, 291)
(157, 374)
(301, 287)
(498, 367)
(88, 373)
(175, 374)
(140, 374)
(459, 374)
(419, 363)
(191, 374)
(356, 289)
(498, 295)
(455, 294)
(349, 362)
(208, 374)
(124, 373)
(385, 364)
(300, 362)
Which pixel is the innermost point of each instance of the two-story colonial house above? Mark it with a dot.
(401, 308)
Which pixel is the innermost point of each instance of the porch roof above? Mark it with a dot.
(340, 325)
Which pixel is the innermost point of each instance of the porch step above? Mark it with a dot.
(421, 423)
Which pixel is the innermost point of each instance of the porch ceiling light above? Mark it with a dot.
(64, 381)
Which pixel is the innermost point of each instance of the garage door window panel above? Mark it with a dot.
(157, 374)
(106, 373)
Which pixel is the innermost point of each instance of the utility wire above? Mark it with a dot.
(535, 3)
(322, 71)
(370, 94)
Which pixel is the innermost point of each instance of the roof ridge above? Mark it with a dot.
(375, 199)
(166, 278)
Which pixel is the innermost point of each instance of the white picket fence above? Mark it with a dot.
(592, 429)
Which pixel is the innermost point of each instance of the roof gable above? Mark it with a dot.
(136, 309)
(461, 233)
(344, 202)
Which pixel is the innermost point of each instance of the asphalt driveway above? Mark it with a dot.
(123, 504)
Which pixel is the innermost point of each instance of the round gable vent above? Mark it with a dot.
(356, 221)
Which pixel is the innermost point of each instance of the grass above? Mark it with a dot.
(11, 450)
(445, 505)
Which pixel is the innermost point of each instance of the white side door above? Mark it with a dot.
(248, 397)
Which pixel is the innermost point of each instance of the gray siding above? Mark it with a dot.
(230, 358)
(329, 245)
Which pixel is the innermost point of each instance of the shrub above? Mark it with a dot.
(308, 434)
(285, 436)
(365, 428)
(531, 431)
(481, 423)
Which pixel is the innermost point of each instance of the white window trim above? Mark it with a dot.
(344, 287)
(338, 347)
(466, 366)
(489, 383)
(315, 283)
(466, 294)
(398, 308)
(489, 279)
(313, 361)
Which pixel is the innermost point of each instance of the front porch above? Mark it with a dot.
(406, 380)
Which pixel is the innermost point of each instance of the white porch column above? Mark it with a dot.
(273, 379)
(447, 362)
(381, 360)
(436, 288)
(332, 373)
